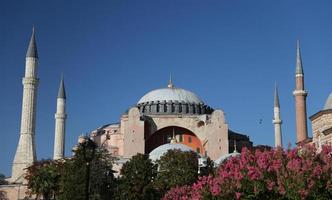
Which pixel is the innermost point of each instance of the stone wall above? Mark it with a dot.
(133, 130)
(212, 130)
(14, 192)
(321, 125)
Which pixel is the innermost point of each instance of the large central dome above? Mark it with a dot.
(171, 94)
(172, 100)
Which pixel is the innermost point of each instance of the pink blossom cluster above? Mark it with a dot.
(300, 173)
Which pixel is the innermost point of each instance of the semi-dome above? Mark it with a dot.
(328, 103)
(161, 150)
(223, 158)
(171, 94)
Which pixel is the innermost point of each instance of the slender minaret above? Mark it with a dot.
(276, 120)
(26, 151)
(60, 122)
(300, 95)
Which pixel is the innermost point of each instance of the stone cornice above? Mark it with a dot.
(320, 113)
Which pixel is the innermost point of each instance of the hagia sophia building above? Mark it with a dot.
(169, 115)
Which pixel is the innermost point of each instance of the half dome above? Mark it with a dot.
(223, 158)
(161, 150)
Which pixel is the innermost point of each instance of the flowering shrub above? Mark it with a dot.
(300, 173)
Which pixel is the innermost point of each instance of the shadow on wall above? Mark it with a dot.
(182, 135)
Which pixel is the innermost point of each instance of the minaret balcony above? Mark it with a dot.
(277, 121)
(60, 116)
(300, 93)
(30, 81)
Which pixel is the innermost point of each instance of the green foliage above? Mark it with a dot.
(136, 181)
(73, 179)
(66, 179)
(43, 178)
(140, 179)
(176, 168)
(101, 177)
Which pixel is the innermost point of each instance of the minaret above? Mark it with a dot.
(300, 95)
(26, 151)
(60, 123)
(276, 120)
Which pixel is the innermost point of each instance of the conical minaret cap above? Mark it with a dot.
(276, 97)
(32, 49)
(62, 91)
(299, 68)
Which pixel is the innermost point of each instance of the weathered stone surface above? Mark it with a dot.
(60, 128)
(26, 150)
(321, 125)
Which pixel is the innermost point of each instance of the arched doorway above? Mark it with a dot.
(182, 135)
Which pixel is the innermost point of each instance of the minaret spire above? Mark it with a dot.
(299, 68)
(276, 96)
(32, 49)
(26, 150)
(62, 91)
(300, 95)
(60, 122)
(276, 120)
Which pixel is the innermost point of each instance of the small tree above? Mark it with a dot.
(43, 178)
(136, 179)
(176, 168)
(101, 176)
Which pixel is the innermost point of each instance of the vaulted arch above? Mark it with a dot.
(182, 135)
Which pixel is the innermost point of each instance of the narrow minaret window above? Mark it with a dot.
(300, 95)
(26, 150)
(276, 120)
(60, 122)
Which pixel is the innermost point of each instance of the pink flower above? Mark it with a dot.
(282, 190)
(291, 174)
(303, 193)
(270, 185)
(253, 173)
(238, 195)
(317, 171)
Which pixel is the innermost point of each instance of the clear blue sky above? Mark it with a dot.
(230, 53)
